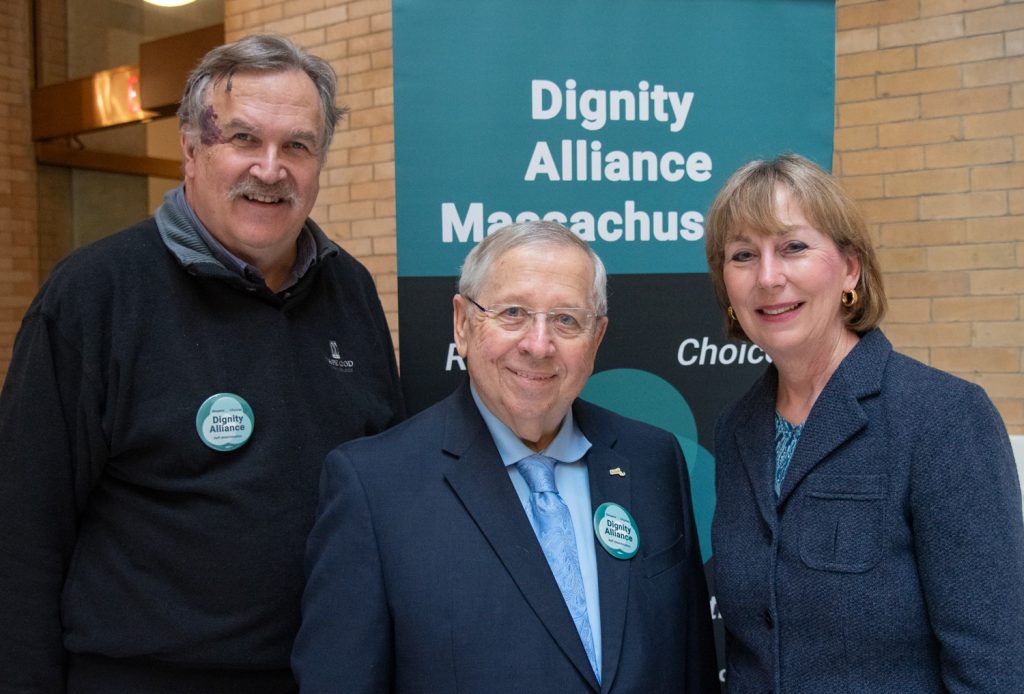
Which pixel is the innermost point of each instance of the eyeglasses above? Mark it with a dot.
(566, 322)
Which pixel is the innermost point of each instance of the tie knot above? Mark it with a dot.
(539, 472)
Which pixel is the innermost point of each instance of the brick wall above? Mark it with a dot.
(19, 275)
(930, 138)
(53, 184)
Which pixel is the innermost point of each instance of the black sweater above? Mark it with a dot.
(123, 536)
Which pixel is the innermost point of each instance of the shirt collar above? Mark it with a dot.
(568, 446)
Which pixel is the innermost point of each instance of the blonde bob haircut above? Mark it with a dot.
(746, 203)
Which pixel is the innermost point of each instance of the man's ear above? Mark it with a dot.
(602, 327)
(188, 153)
(460, 324)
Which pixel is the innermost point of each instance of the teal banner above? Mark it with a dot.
(619, 119)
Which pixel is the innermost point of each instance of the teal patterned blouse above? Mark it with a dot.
(786, 437)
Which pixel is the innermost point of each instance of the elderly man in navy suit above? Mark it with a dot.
(511, 538)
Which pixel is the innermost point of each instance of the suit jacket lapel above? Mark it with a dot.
(755, 439)
(483, 486)
(613, 574)
(837, 415)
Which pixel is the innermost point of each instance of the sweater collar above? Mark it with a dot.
(200, 253)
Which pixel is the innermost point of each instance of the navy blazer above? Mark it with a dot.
(893, 560)
(424, 574)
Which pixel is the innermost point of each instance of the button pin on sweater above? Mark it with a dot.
(224, 421)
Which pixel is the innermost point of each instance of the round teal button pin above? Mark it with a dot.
(224, 421)
(616, 530)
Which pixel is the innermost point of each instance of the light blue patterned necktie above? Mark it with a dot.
(558, 540)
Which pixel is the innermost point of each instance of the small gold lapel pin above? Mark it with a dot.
(617, 471)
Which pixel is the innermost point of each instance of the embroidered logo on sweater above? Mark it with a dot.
(335, 360)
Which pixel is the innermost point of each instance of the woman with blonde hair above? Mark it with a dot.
(868, 533)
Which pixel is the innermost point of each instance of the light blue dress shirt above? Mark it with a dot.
(569, 447)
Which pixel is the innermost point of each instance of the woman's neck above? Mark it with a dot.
(801, 380)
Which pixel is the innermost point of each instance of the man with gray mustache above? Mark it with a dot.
(173, 392)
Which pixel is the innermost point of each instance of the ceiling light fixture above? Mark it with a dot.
(170, 3)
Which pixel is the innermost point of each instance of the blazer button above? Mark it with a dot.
(768, 619)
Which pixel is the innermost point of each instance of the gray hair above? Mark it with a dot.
(477, 266)
(258, 53)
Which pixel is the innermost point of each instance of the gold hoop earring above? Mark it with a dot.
(849, 298)
(732, 314)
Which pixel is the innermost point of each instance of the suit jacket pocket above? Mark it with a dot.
(841, 522)
(663, 560)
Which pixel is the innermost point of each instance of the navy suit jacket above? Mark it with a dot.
(893, 560)
(424, 574)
